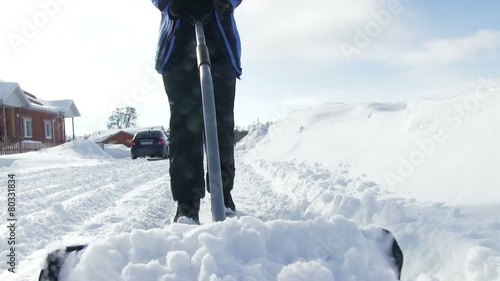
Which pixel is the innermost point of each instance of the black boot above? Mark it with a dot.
(229, 203)
(187, 212)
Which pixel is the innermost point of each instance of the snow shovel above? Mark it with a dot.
(210, 120)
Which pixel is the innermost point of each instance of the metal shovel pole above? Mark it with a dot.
(210, 119)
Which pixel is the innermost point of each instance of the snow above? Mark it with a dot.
(245, 249)
(313, 191)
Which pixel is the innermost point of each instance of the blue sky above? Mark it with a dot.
(466, 16)
(101, 53)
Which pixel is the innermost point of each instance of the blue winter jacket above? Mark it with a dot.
(169, 26)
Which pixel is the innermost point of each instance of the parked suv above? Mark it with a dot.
(151, 143)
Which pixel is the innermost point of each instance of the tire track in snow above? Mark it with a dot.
(52, 186)
(255, 194)
(144, 207)
(76, 199)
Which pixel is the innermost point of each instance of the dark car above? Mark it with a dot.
(151, 143)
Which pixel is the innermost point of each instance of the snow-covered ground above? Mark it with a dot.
(313, 189)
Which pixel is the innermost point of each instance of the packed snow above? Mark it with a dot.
(312, 190)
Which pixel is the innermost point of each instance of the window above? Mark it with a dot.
(48, 129)
(28, 128)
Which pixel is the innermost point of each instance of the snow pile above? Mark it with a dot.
(408, 168)
(433, 150)
(255, 134)
(75, 153)
(79, 149)
(118, 151)
(244, 249)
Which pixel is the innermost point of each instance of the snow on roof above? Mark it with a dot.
(67, 107)
(11, 94)
(102, 135)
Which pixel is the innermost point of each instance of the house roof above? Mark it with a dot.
(12, 95)
(103, 135)
(66, 107)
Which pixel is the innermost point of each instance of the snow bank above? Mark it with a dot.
(75, 153)
(243, 249)
(431, 150)
(255, 134)
(80, 149)
(118, 151)
(428, 171)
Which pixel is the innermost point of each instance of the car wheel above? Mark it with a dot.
(134, 157)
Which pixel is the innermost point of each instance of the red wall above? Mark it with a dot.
(16, 133)
(120, 138)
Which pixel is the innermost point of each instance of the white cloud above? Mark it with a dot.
(447, 51)
(431, 52)
(308, 32)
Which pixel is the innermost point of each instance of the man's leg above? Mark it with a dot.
(186, 138)
(224, 90)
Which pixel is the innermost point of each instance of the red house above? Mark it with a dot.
(24, 118)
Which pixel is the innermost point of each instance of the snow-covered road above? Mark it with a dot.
(100, 197)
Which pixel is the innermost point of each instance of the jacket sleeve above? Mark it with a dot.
(161, 4)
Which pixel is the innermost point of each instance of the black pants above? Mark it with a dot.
(182, 84)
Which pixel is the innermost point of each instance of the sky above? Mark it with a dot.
(294, 54)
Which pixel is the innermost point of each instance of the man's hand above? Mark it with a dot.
(221, 5)
(191, 9)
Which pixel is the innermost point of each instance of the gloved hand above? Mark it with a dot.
(221, 5)
(191, 9)
(162, 4)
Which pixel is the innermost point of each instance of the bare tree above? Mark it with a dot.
(123, 117)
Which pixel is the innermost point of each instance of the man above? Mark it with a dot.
(176, 61)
